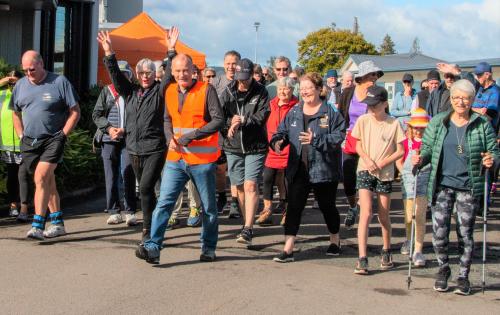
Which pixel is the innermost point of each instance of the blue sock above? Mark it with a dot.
(38, 222)
(56, 218)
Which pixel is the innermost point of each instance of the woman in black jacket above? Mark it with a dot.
(144, 132)
(314, 132)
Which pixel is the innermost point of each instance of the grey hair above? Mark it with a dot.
(158, 65)
(286, 82)
(145, 62)
(281, 59)
(347, 73)
(209, 69)
(463, 86)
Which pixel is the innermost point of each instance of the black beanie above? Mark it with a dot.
(433, 75)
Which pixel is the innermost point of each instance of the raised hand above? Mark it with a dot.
(448, 68)
(105, 40)
(172, 37)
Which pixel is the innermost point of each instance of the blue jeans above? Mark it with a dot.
(174, 178)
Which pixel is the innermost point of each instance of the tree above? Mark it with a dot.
(387, 46)
(415, 47)
(270, 62)
(329, 49)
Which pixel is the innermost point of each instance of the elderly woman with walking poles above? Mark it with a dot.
(457, 143)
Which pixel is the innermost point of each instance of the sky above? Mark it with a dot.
(450, 30)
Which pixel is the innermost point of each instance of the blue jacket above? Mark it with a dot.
(322, 155)
(401, 107)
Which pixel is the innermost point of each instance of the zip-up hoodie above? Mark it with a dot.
(251, 137)
(278, 113)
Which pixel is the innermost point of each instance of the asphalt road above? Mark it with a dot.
(93, 270)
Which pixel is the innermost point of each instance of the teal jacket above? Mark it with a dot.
(480, 137)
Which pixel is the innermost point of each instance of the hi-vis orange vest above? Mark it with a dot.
(191, 118)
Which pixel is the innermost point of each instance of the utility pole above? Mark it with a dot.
(256, 25)
(355, 27)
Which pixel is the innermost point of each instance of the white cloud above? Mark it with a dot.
(460, 31)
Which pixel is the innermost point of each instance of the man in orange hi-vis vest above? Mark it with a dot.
(193, 117)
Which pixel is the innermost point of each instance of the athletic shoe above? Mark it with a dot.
(284, 257)
(265, 218)
(333, 250)
(245, 237)
(315, 205)
(54, 231)
(405, 248)
(281, 207)
(194, 218)
(13, 212)
(221, 203)
(361, 266)
(142, 253)
(441, 284)
(115, 219)
(207, 256)
(418, 259)
(283, 219)
(130, 219)
(173, 223)
(463, 286)
(386, 259)
(22, 217)
(234, 211)
(35, 233)
(350, 217)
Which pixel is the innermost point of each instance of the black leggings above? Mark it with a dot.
(349, 167)
(298, 191)
(147, 169)
(18, 188)
(269, 175)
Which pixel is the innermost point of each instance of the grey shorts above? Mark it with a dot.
(245, 167)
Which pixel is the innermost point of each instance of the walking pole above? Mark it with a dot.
(415, 172)
(485, 223)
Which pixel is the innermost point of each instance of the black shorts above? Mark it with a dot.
(48, 150)
(365, 180)
(222, 158)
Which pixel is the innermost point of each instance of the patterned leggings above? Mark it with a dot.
(466, 206)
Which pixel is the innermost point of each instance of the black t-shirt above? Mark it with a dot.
(305, 147)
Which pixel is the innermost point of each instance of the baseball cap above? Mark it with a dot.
(376, 94)
(407, 77)
(433, 75)
(125, 67)
(244, 69)
(482, 67)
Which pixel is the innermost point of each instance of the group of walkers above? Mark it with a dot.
(173, 126)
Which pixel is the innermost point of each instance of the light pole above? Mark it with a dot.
(256, 25)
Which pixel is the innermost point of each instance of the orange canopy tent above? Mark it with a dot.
(141, 37)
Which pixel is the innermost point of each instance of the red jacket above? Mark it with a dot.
(278, 113)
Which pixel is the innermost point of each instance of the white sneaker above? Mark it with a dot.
(54, 231)
(13, 212)
(418, 259)
(115, 219)
(35, 233)
(130, 219)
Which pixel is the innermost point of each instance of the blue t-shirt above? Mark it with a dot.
(45, 105)
(454, 168)
(489, 98)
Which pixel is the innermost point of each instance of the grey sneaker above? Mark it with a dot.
(207, 256)
(441, 284)
(35, 233)
(463, 286)
(22, 217)
(405, 247)
(418, 259)
(54, 231)
(361, 266)
(245, 237)
(386, 259)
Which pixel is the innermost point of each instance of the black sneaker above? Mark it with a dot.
(361, 266)
(463, 286)
(441, 284)
(245, 237)
(234, 211)
(142, 253)
(283, 257)
(207, 257)
(281, 207)
(350, 218)
(386, 259)
(333, 250)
